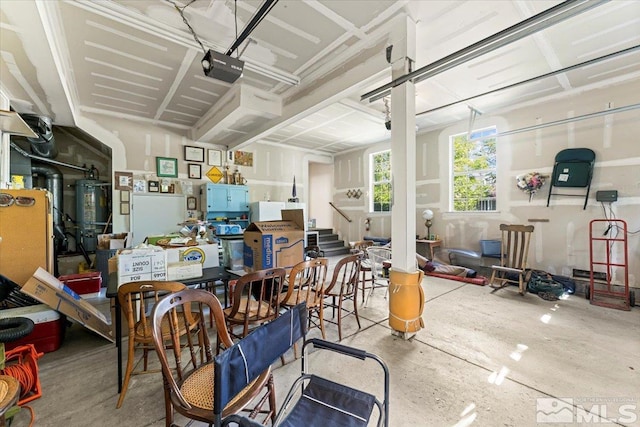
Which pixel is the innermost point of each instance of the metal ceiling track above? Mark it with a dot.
(255, 20)
(540, 77)
(570, 120)
(529, 26)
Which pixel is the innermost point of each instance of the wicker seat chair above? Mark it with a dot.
(135, 300)
(191, 388)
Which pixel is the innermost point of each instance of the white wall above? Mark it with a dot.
(135, 146)
(558, 245)
(321, 193)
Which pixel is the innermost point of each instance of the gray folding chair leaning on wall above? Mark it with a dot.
(312, 400)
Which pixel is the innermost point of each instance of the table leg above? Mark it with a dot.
(118, 326)
(225, 283)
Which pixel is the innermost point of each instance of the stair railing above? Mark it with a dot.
(340, 212)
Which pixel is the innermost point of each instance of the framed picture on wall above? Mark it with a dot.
(123, 181)
(193, 154)
(243, 158)
(192, 203)
(167, 167)
(214, 157)
(139, 185)
(124, 208)
(154, 187)
(195, 171)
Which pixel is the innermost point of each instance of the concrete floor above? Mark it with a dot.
(483, 359)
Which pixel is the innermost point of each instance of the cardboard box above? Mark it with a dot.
(48, 328)
(207, 255)
(184, 270)
(135, 265)
(269, 244)
(50, 291)
(113, 241)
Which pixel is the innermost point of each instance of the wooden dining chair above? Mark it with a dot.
(343, 288)
(513, 257)
(190, 385)
(255, 301)
(361, 247)
(136, 298)
(306, 284)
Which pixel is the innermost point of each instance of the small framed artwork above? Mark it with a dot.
(139, 185)
(154, 187)
(214, 157)
(243, 158)
(195, 171)
(193, 154)
(167, 167)
(124, 181)
(192, 203)
(124, 196)
(124, 208)
(164, 188)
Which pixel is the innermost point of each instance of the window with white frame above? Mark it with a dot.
(380, 179)
(473, 166)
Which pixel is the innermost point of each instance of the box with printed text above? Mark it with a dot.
(207, 255)
(269, 244)
(135, 265)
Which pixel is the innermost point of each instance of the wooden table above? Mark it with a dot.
(432, 245)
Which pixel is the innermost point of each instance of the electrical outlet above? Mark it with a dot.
(607, 196)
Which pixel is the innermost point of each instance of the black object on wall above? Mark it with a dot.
(573, 167)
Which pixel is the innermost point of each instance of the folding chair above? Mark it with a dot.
(312, 400)
(378, 257)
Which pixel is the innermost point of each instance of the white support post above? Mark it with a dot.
(403, 154)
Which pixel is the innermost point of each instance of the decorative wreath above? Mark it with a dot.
(530, 182)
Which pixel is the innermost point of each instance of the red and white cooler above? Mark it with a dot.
(48, 332)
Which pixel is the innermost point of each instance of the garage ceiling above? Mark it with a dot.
(307, 63)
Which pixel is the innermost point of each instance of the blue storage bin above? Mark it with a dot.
(490, 248)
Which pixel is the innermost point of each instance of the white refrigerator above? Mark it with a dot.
(265, 211)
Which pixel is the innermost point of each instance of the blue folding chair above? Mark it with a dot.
(321, 403)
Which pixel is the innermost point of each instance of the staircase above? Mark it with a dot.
(329, 243)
